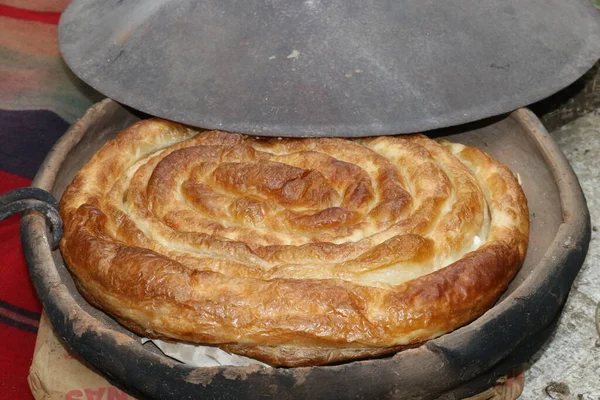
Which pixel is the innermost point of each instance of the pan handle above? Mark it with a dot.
(32, 198)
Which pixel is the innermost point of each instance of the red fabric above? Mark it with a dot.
(15, 360)
(29, 15)
(38, 101)
(15, 285)
(16, 344)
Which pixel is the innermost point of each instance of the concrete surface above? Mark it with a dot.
(568, 366)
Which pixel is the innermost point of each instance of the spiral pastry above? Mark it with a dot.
(292, 251)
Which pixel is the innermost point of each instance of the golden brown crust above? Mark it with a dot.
(292, 251)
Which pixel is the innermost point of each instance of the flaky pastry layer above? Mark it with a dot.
(292, 251)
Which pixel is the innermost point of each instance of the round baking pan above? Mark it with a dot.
(456, 365)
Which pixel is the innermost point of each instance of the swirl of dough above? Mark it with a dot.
(292, 251)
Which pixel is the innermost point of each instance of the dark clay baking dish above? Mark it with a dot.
(456, 365)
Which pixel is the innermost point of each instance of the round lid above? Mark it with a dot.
(329, 67)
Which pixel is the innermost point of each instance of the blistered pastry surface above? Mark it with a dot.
(294, 251)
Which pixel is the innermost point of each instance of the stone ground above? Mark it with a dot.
(568, 366)
(573, 102)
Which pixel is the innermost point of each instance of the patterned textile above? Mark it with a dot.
(39, 98)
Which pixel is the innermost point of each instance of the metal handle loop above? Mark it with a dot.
(32, 198)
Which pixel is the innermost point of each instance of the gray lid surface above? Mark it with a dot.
(329, 67)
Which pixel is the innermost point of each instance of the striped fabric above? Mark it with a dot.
(39, 98)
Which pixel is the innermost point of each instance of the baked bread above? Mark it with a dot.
(292, 251)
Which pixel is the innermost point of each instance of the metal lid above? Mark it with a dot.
(329, 67)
